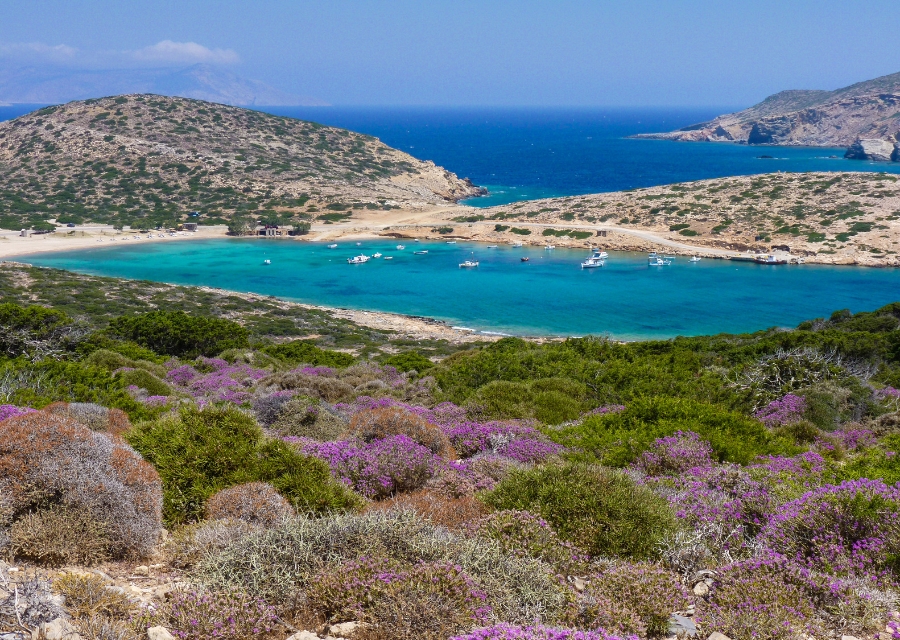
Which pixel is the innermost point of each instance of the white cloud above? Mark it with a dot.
(169, 52)
(38, 50)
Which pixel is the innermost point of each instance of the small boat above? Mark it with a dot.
(470, 263)
(517, 244)
(376, 255)
(695, 258)
(267, 261)
(451, 241)
(654, 260)
(550, 247)
(416, 240)
(358, 259)
(524, 259)
(594, 260)
(400, 247)
(599, 253)
(771, 259)
(420, 253)
(332, 246)
(359, 244)
(492, 246)
(389, 257)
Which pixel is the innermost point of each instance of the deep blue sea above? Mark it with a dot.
(548, 295)
(521, 154)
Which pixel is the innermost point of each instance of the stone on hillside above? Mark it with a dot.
(159, 633)
(680, 626)
(870, 149)
(304, 635)
(715, 635)
(849, 638)
(345, 629)
(701, 589)
(59, 629)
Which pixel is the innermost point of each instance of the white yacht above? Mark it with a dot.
(376, 255)
(550, 247)
(267, 261)
(332, 246)
(400, 247)
(695, 258)
(596, 259)
(655, 260)
(492, 246)
(358, 259)
(470, 263)
(517, 244)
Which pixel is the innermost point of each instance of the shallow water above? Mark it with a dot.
(549, 295)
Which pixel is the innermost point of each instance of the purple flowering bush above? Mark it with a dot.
(215, 380)
(505, 631)
(848, 529)
(772, 598)
(629, 597)
(788, 409)
(190, 615)
(11, 411)
(675, 454)
(376, 469)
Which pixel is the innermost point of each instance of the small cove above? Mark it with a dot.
(548, 295)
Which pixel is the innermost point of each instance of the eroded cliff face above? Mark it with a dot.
(865, 111)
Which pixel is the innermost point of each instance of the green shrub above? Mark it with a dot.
(308, 418)
(618, 439)
(879, 462)
(598, 509)
(301, 352)
(409, 361)
(279, 563)
(176, 333)
(32, 331)
(550, 400)
(145, 380)
(200, 452)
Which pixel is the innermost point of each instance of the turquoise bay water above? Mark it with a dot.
(549, 295)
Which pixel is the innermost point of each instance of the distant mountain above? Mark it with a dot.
(859, 116)
(130, 158)
(199, 81)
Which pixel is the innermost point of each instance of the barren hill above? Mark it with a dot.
(866, 110)
(145, 158)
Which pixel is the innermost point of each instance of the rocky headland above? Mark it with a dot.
(864, 117)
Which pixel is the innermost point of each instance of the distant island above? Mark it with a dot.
(864, 117)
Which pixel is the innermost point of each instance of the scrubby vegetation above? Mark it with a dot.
(741, 484)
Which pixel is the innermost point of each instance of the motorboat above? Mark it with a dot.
(517, 244)
(594, 260)
(550, 247)
(451, 241)
(267, 261)
(359, 244)
(599, 253)
(492, 246)
(655, 260)
(332, 246)
(376, 255)
(695, 258)
(400, 247)
(389, 257)
(420, 253)
(524, 258)
(416, 240)
(358, 259)
(770, 259)
(468, 264)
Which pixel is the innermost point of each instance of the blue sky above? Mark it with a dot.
(475, 52)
